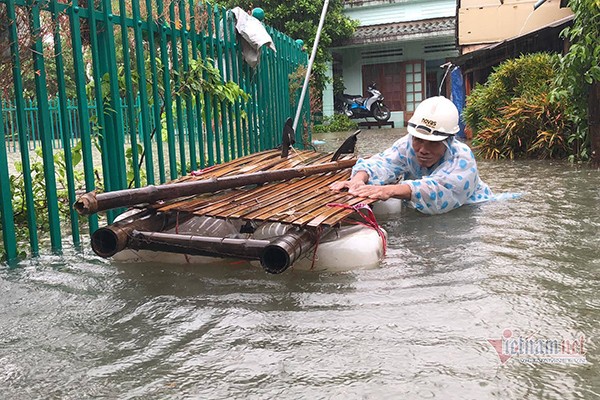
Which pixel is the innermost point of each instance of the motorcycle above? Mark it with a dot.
(356, 106)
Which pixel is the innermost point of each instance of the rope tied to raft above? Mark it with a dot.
(203, 171)
(319, 232)
(367, 215)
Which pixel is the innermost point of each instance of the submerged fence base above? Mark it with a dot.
(128, 81)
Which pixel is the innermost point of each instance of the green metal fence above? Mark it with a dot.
(34, 139)
(157, 109)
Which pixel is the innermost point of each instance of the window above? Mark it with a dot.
(414, 84)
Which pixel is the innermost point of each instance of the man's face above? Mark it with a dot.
(428, 152)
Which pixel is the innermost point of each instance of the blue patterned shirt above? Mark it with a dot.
(448, 184)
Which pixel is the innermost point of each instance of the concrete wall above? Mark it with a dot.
(488, 21)
(380, 12)
(375, 12)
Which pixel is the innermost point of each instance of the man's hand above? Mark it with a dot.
(350, 185)
(357, 181)
(382, 192)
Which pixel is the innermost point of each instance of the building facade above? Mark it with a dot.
(399, 45)
(491, 31)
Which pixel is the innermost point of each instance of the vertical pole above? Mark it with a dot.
(143, 95)
(164, 59)
(64, 119)
(310, 64)
(82, 106)
(236, 72)
(113, 115)
(177, 88)
(44, 127)
(206, 37)
(99, 108)
(129, 96)
(153, 28)
(197, 96)
(22, 127)
(213, 37)
(184, 38)
(227, 76)
(221, 115)
(6, 210)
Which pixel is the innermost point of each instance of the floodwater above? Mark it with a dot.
(526, 270)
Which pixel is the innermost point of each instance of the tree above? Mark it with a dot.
(299, 20)
(579, 78)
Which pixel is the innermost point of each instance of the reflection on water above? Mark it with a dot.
(78, 327)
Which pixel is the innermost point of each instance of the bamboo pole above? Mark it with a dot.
(111, 239)
(90, 203)
(194, 245)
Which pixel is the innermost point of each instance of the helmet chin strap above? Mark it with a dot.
(446, 142)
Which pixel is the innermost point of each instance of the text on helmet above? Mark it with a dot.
(429, 123)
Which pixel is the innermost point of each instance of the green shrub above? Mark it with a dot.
(526, 76)
(527, 127)
(512, 116)
(336, 123)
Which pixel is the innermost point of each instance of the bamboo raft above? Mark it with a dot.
(263, 188)
(300, 201)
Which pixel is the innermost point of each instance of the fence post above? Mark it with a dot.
(197, 96)
(113, 115)
(143, 96)
(65, 135)
(130, 99)
(44, 128)
(6, 210)
(82, 104)
(22, 127)
(156, 103)
(185, 39)
(207, 98)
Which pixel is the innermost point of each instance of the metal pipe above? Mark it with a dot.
(310, 64)
(538, 4)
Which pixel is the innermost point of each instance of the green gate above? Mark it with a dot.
(118, 94)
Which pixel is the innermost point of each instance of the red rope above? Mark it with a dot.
(368, 216)
(314, 258)
(187, 257)
(202, 171)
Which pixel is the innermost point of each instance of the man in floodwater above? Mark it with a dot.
(429, 168)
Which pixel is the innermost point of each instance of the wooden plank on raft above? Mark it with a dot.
(253, 199)
(311, 210)
(299, 201)
(297, 205)
(209, 205)
(285, 204)
(333, 215)
(276, 199)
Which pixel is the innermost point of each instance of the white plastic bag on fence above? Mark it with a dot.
(254, 36)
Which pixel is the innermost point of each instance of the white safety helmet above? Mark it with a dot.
(435, 119)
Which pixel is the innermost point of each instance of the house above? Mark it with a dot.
(491, 31)
(400, 45)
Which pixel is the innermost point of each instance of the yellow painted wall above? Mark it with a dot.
(489, 21)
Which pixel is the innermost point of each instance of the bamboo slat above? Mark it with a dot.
(299, 201)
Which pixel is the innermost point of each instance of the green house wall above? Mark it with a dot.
(433, 48)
